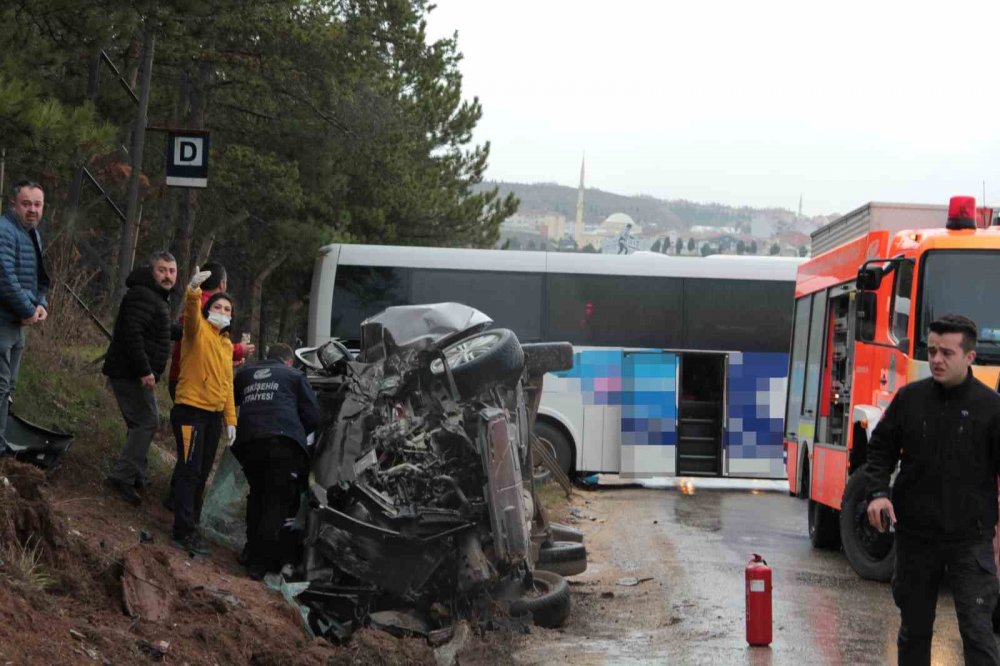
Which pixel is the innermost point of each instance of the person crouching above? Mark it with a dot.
(278, 410)
(203, 406)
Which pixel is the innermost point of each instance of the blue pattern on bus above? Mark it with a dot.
(757, 384)
(644, 385)
(649, 403)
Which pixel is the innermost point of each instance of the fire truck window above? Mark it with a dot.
(901, 300)
(961, 282)
(797, 375)
(814, 357)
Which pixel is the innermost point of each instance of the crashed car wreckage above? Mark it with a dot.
(421, 501)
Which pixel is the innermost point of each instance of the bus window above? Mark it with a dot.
(614, 310)
(797, 367)
(362, 291)
(744, 315)
(512, 300)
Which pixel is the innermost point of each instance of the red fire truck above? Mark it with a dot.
(879, 275)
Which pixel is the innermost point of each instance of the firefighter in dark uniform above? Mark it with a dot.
(944, 431)
(278, 410)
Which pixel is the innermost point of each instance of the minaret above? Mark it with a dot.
(578, 227)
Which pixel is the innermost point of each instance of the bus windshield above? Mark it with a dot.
(962, 282)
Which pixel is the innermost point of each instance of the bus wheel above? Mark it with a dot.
(553, 438)
(824, 526)
(482, 359)
(870, 552)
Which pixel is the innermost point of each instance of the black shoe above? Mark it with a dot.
(124, 490)
(193, 544)
(256, 570)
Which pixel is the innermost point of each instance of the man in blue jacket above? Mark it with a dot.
(278, 410)
(24, 285)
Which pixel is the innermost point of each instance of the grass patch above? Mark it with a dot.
(552, 497)
(61, 386)
(22, 567)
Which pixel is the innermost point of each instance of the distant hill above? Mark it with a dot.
(679, 214)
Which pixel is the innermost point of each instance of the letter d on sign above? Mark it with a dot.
(188, 151)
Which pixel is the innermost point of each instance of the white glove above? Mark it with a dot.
(230, 435)
(198, 278)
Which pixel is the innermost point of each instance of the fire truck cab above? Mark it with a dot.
(879, 275)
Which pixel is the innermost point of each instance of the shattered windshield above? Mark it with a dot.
(962, 282)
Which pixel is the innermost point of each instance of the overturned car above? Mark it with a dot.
(422, 506)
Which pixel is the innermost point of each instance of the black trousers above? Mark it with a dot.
(277, 471)
(197, 433)
(920, 567)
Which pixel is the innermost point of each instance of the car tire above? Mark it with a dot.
(824, 526)
(562, 532)
(482, 359)
(548, 602)
(542, 357)
(871, 554)
(566, 558)
(551, 435)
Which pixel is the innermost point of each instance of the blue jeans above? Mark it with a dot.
(11, 349)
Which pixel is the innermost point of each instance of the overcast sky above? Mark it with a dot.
(738, 102)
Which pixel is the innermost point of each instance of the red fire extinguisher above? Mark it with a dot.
(758, 577)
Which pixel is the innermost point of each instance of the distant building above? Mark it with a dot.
(761, 227)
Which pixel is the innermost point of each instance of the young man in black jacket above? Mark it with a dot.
(278, 411)
(137, 356)
(944, 431)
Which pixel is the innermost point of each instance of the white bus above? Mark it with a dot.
(680, 363)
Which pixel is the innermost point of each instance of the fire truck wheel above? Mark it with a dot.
(824, 526)
(547, 600)
(870, 552)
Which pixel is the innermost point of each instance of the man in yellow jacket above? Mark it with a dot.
(204, 404)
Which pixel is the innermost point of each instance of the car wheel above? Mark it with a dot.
(870, 552)
(547, 599)
(482, 359)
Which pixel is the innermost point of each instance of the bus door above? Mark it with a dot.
(648, 413)
(701, 414)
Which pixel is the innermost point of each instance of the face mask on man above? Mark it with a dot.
(219, 320)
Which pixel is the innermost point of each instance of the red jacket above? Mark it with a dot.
(175, 358)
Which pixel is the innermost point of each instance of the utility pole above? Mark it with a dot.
(129, 231)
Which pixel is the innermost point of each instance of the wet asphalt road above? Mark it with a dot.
(695, 547)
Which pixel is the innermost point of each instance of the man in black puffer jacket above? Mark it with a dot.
(945, 433)
(135, 360)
